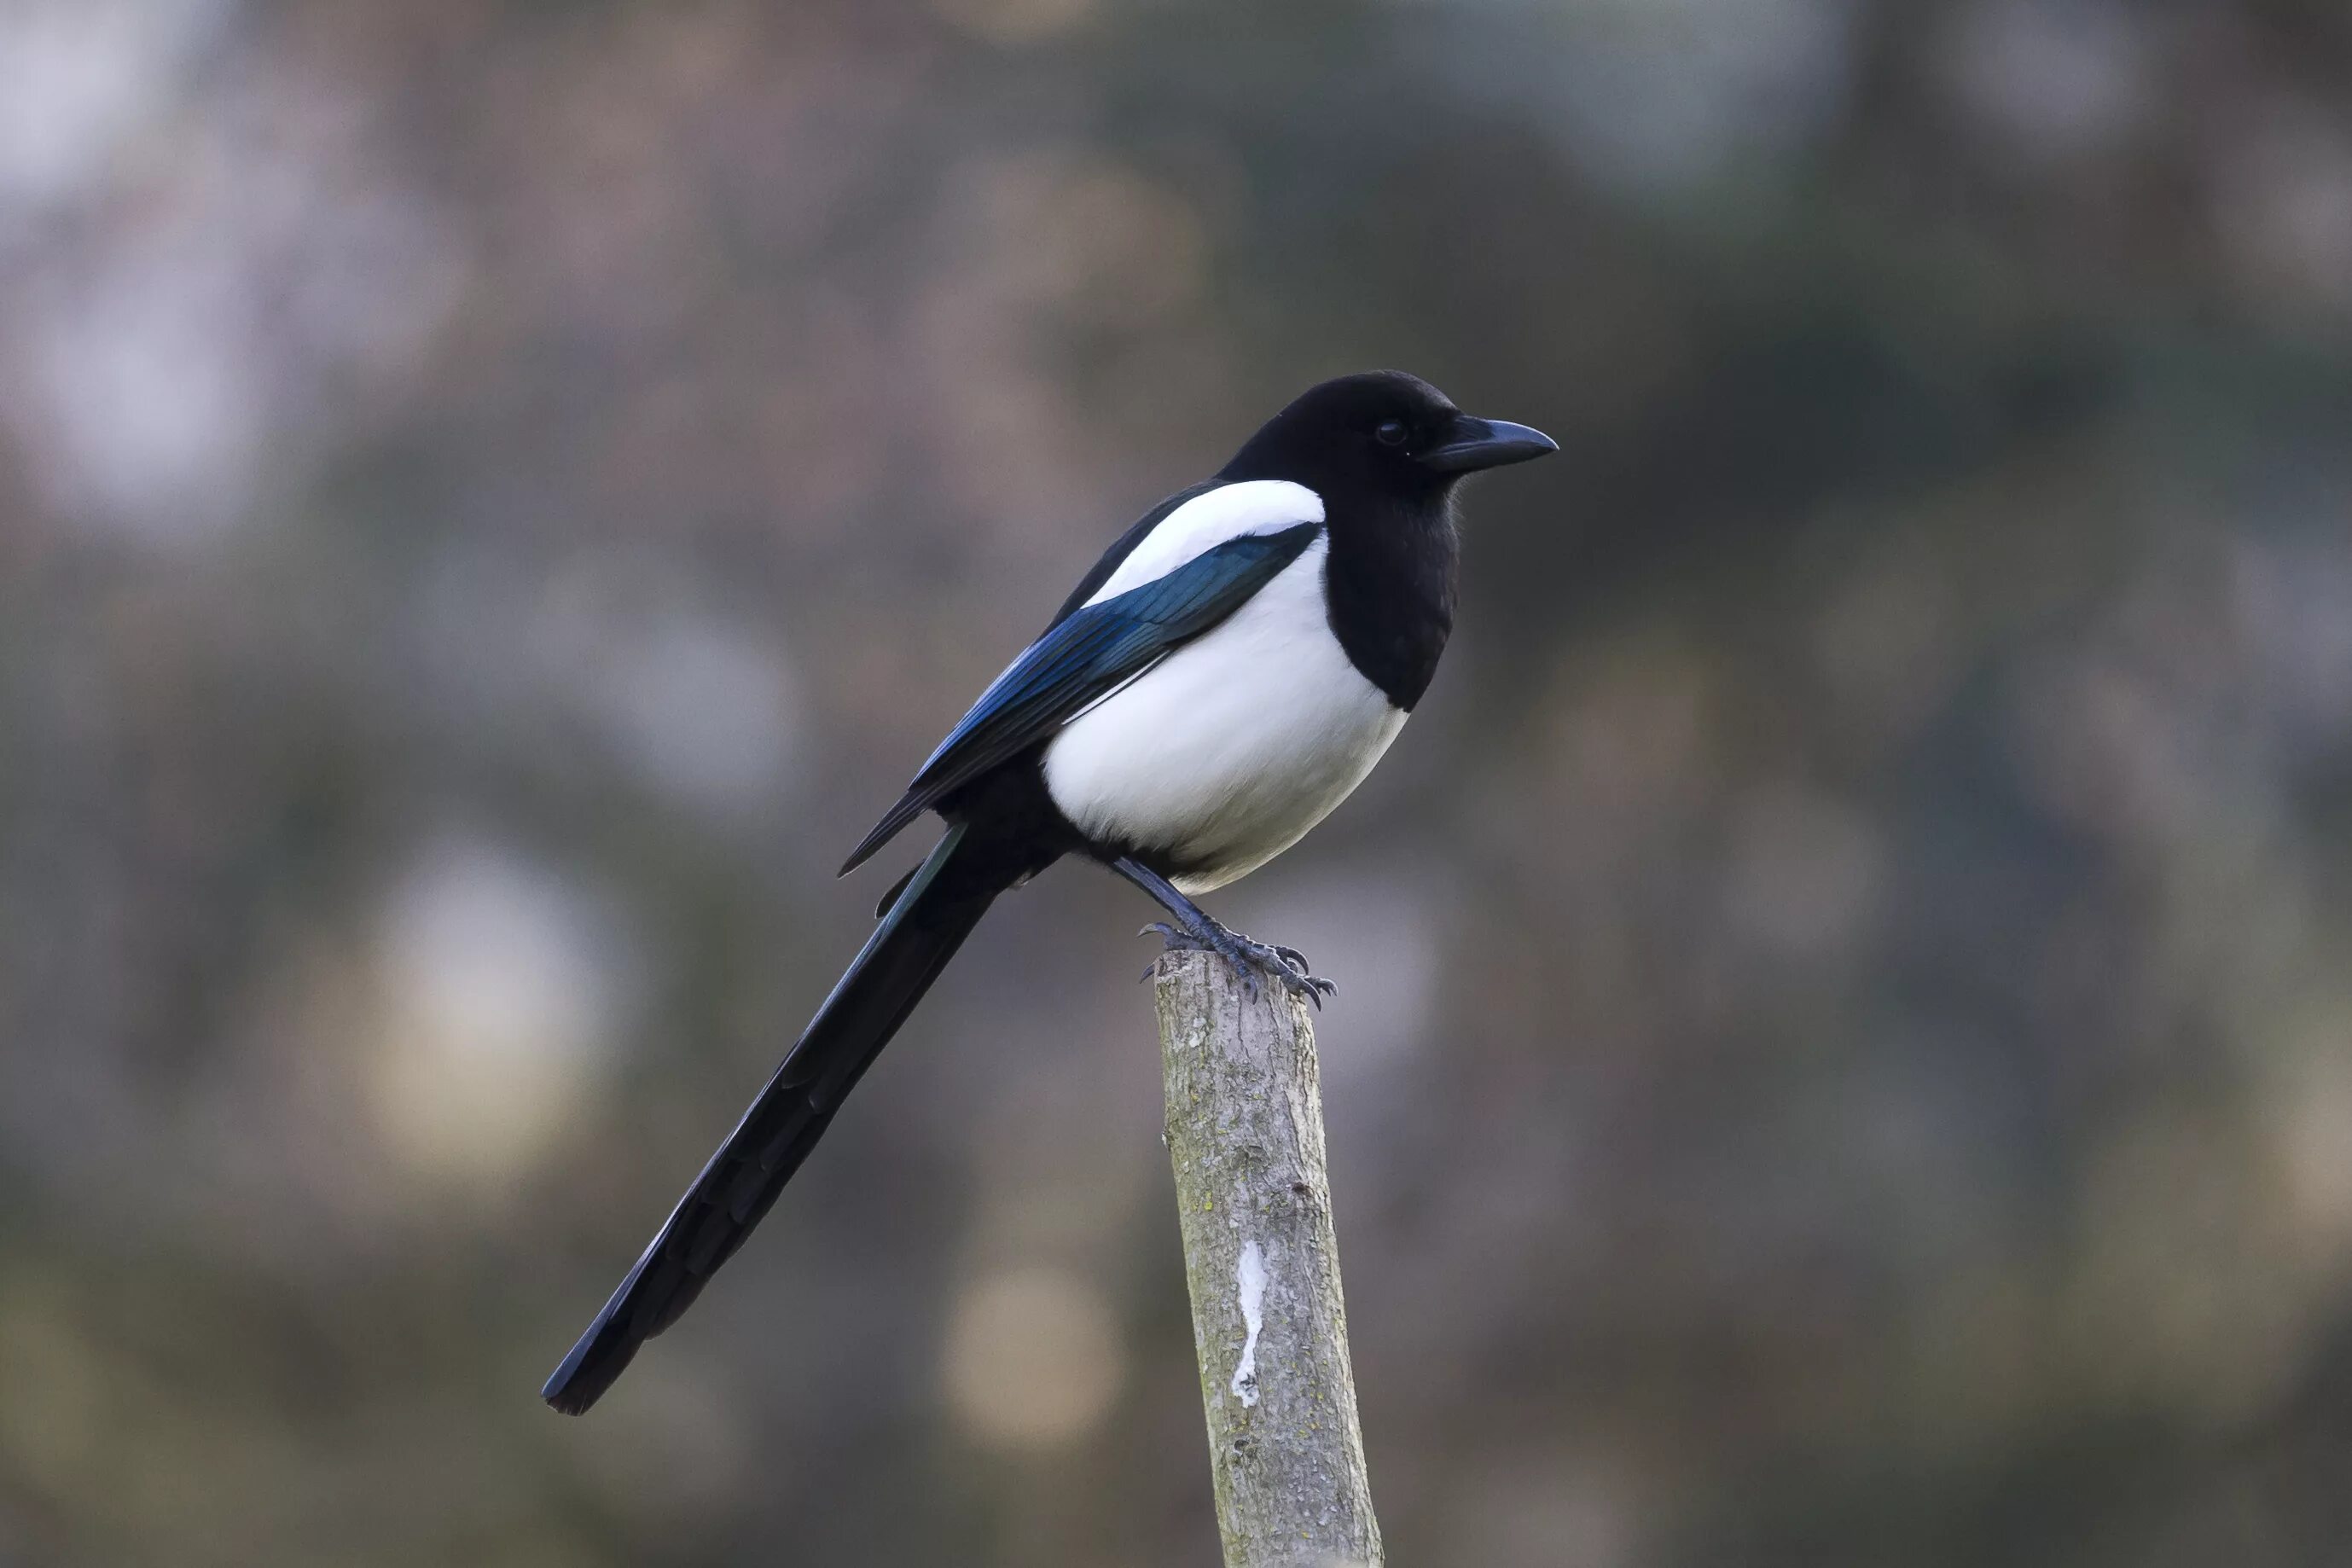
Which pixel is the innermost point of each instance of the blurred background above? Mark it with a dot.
(1845, 1053)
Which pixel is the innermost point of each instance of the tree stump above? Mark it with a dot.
(1254, 1197)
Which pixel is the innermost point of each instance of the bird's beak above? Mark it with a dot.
(1472, 444)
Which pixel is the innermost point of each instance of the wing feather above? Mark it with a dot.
(1086, 654)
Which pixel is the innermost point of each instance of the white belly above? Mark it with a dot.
(1226, 752)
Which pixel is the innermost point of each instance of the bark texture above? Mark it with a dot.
(1245, 1135)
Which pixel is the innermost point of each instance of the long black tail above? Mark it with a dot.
(929, 921)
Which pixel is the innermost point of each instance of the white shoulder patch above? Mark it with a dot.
(1207, 521)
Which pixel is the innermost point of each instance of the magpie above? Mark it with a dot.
(1228, 671)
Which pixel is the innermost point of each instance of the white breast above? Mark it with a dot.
(1226, 752)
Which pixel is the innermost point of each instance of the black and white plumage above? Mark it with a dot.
(1224, 676)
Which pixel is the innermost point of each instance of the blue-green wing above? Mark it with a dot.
(1085, 655)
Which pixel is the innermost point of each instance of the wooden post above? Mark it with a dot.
(1254, 1197)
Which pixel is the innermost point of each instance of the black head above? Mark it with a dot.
(1385, 431)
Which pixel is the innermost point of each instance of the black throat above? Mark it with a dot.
(1388, 583)
(1390, 586)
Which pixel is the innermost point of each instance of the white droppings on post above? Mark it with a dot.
(1249, 1279)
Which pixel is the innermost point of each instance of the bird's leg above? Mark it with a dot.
(1195, 929)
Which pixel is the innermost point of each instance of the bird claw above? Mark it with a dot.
(1249, 959)
(1173, 939)
(1289, 965)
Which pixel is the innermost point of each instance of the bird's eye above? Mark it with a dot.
(1391, 433)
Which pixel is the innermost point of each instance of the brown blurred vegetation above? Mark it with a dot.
(1845, 1046)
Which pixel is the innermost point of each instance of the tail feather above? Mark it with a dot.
(921, 932)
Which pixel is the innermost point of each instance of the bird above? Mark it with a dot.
(1221, 679)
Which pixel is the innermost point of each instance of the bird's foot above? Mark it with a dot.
(1249, 957)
